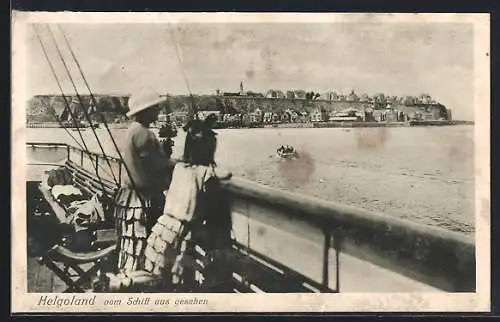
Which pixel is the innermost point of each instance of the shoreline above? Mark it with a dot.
(299, 125)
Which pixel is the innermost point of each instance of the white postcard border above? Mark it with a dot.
(350, 302)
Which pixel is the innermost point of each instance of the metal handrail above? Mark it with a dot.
(82, 154)
(68, 146)
(434, 256)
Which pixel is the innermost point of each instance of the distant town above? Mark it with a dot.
(252, 109)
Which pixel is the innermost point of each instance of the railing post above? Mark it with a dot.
(67, 151)
(81, 158)
(337, 240)
(326, 250)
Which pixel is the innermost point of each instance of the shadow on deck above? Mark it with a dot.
(42, 280)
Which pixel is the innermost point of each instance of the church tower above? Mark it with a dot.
(242, 92)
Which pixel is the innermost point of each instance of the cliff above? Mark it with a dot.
(41, 108)
(115, 107)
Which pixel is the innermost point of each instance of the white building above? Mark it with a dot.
(203, 114)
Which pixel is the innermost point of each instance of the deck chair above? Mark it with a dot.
(76, 269)
(71, 269)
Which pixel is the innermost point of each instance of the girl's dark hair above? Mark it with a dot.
(201, 143)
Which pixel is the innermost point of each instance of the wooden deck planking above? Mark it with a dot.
(42, 280)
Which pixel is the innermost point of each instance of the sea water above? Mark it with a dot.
(423, 174)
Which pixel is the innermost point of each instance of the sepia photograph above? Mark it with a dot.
(185, 162)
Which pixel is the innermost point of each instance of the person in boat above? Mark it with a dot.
(140, 200)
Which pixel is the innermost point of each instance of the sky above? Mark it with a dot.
(391, 58)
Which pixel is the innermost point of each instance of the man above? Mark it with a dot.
(148, 165)
(140, 200)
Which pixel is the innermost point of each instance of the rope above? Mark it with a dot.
(179, 58)
(53, 113)
(87, 116)
(67, 104)
(195, 116)
(103, 120)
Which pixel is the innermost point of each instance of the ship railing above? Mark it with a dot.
(441, 259)
(92, 162)
(326, 243)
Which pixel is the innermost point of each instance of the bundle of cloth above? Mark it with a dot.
(82, 214)
(65, 195)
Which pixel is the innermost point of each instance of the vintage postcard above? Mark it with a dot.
(229, 162)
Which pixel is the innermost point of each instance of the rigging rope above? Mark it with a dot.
(66, 102)
(53, 113)
(87, 116)
(103, 120)
(194, 110)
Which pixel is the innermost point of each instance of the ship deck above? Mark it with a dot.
(356, 275)
(41, 279)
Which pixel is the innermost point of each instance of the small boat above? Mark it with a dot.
(285, 153)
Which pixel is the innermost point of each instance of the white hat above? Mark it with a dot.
(142, 101)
